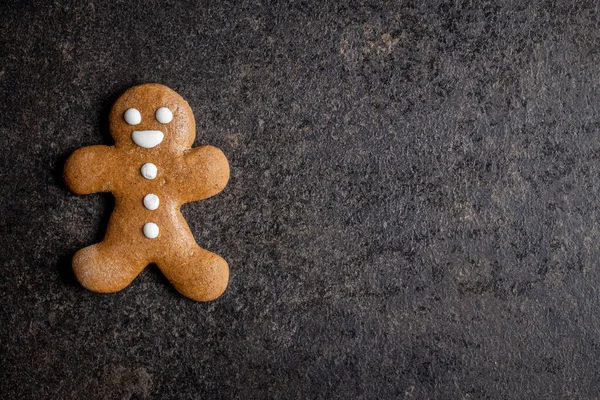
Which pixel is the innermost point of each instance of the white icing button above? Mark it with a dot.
(132, 116)
(150, 230)
(151, 201)
(149, 170)
(147, 139)
(164, 115)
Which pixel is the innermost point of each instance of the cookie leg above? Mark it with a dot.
(196, 273)
(106, 269)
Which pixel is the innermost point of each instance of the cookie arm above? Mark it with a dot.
(205, 173)
(86, 170)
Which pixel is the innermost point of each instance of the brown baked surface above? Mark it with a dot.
(184, 175)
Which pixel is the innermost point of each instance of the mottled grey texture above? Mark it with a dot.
(412, 212)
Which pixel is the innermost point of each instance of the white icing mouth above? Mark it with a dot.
(147, 139)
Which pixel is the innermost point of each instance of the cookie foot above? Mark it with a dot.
(197, 274)
(105, 269)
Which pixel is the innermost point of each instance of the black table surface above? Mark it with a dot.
(412, 211)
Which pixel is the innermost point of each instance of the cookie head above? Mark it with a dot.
(152, 116)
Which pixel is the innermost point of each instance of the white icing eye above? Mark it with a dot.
(164, 115)
(132, 116)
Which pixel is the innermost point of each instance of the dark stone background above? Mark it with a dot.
(412, 212)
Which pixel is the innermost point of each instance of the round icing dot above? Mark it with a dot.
(151, 201)
(150, 230)
(132, 116)
(149, 170)
(164, 115)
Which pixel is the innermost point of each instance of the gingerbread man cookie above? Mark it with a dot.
(151, 170)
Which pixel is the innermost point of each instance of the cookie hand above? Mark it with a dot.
(207, 172)
(86, 169)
